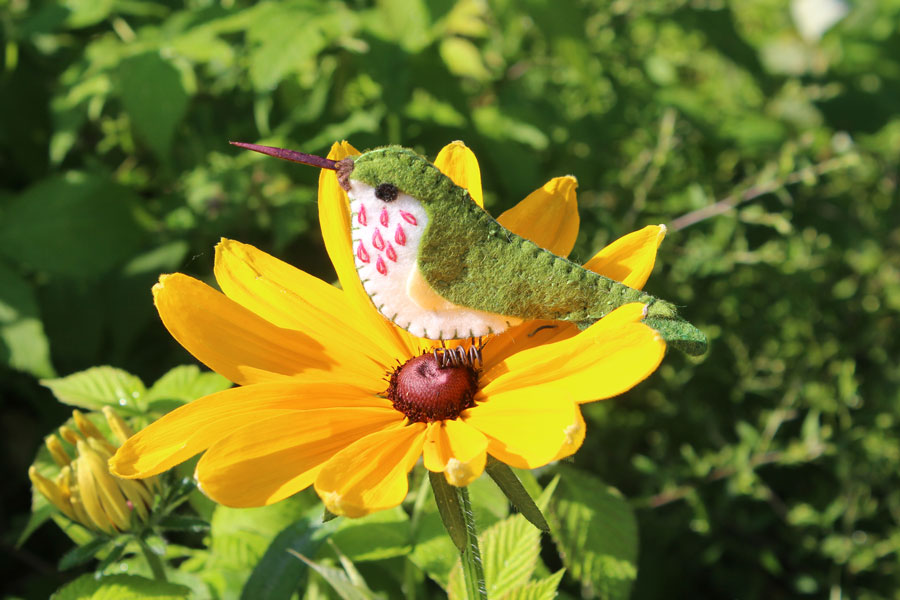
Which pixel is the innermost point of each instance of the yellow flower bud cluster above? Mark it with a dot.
(85, 490)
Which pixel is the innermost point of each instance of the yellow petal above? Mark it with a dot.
(334, 220)
(457, 162)
(111, 498)
(230, 339)
(194, 427)
(274, 458)
(574, 437)
(606, 359)
(524, 428)
(57, 452)
(455, 449)
(371, 474)
(90, 496)
(630, 258)
(529, 334)
(548, 216)
(50, 491)
(287, 297)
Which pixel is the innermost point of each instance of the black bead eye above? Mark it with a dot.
(386, 192)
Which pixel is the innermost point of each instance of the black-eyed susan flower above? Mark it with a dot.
(332, 394)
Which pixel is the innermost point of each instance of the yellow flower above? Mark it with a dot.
(312, 360)
(84, 490)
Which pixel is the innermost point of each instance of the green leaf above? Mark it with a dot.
(383, 534)
(119, 587)
(240, 536)
(284, 40)
(449, 508)
(185, 383)
(463, 58)
(542, 589)
(513, 489)
(510, 551)
(433, 551)
(279, 574)
(39, 515)
(98, 387)
(23, 343)
(184, 523)
(339, 580)
(154, 96)
(76, 226)
(82, 554)
(82, 13)
(596, 532)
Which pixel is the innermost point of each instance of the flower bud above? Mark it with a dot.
(84, 490)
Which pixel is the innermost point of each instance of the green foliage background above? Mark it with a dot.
(767, 469)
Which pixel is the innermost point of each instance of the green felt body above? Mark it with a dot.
(468, 258)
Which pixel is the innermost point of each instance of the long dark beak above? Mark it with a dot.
(291, 155)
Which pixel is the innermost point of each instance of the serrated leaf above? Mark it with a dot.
(75, 226)
(23, 343)
(97, 387)
(155, 98)
(509, 552)
(82, 554)
(120, 587)
(279, 574)
(185, 383)
(542, 589)
(596, 532)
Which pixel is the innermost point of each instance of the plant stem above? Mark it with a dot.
(153, 560)
(471, 556)
(456, 513)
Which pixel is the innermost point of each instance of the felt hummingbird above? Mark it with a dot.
(438, 265)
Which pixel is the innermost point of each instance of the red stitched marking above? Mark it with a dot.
(409, 218)
(384, 217)
(361, 217)
(382, 268)
(361, 253)
(391, 253)
(399, 236)
(377, 240)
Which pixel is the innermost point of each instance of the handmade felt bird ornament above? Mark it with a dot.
(438, 265)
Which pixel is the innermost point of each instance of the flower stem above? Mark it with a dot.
(471, 556)
(456, 513)
(153, 561)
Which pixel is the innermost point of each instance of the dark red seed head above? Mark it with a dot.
(425, 392)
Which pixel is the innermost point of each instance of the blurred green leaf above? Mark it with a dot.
(75, 226)
(82, 554)
(119, 587)
(23, 343)
(154, 96)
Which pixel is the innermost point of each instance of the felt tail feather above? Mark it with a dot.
(679, 334)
